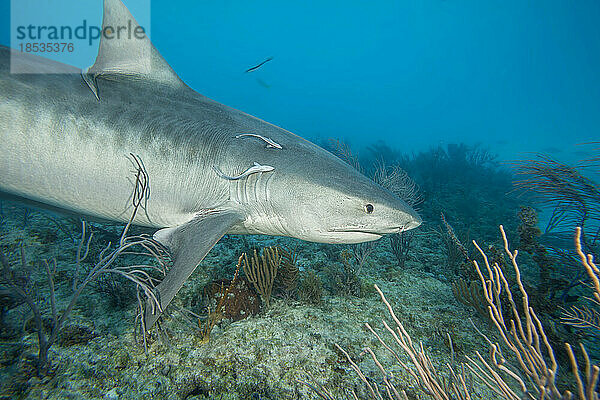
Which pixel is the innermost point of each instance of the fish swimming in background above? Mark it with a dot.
(259, 65)
(213, 169)
(263, 83)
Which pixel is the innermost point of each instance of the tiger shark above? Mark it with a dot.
(213, 169)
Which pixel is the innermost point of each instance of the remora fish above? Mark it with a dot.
(65, 140)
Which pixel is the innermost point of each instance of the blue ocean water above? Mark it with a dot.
(516, 76)
(441, 89)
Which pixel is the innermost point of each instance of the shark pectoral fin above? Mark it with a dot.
(189, 243)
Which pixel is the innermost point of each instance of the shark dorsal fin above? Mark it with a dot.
(129, 55)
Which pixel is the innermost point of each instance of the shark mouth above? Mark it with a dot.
(350, 236)
(378, 232)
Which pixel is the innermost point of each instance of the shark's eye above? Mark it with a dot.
(369, 208)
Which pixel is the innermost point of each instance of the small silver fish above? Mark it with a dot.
(270, 142)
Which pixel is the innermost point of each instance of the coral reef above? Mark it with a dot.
(286, 281)
(471, 295)
(312, 298)
(239, 301)
(311, 288)
(229, 303)
(400, 244)
(533, 374)
(75, 334)
(343, 277)
(573, 197)
(262, 271)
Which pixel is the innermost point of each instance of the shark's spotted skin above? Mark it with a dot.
(66, 140)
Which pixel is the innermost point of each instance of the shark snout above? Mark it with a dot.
(414, 223)
(409, 220)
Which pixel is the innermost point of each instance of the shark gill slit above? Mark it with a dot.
(251, 189)
(239, 190)
(246, 190)
(255, 185)
(251, 184)
(266, 187)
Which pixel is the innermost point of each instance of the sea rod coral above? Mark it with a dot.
(521, 365)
